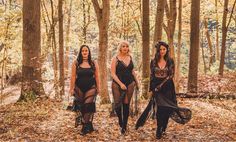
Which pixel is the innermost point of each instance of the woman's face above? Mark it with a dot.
(124, 48)
(163, 51)
(85, 52)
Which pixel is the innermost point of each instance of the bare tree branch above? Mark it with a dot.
(231, 14)
(97, 8)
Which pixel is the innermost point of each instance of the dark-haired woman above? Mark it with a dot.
(84, 86)
(124, 82)
(162, 86)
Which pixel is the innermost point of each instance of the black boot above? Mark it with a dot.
(90, 125)
(85, 129)
(78, 119)
(118, 113)
(159, 133)
(126, 116)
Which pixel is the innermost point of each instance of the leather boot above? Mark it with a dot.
(118, 113)
(85, 129)
(126, 116)
(158, 133)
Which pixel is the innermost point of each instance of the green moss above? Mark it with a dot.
(27, 96)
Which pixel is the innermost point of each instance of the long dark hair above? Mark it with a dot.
(80, 57)
(158, 46)
(167, 58)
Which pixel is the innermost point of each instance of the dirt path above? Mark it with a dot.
(10, 95)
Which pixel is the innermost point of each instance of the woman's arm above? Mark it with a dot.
(97, 76)
(73, 76)
(113, 74)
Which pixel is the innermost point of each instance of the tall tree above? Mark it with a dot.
(51, 41)
(146, 46)
(4, 46)
(208, 36)
(217, 31)
(171, 14)
(225, 26)
(86, 7)
(54, 49)
(31, 51)
(68, 40)
(158, 23)
(194, 46)
(179, 45)
(61, 49)
(103, 15)
(203, 53)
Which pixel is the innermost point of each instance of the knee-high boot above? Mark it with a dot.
(119, 115)
(126, 116)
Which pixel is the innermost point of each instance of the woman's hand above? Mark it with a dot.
(158, 88)
(123, 87)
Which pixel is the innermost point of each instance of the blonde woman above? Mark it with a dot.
(123, 84)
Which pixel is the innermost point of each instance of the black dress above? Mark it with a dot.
(124, 74)
(84, 98)
(164, 97)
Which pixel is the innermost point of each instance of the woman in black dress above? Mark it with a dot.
(164, 97)
(84, 86)
(124, 82)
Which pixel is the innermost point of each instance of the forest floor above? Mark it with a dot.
(48, 120)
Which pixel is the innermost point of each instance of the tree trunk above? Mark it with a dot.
(103, 23)
(54, 50)
(67, 41)
(217, 32)
(123, 18)
(194, 46)
(209, 42)
(229, 58)
(203, 54)
(158, 24)
(4, 47)
(84, 22)
(61, 49)
(171, 14)
(146, 42)
(31, 51)
(179, 46)
(224, 34)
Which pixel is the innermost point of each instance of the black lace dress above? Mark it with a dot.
(163, 89)
(164, 97)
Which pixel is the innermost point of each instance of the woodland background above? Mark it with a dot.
(39, 39)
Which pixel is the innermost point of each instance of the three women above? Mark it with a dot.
(84, 86)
